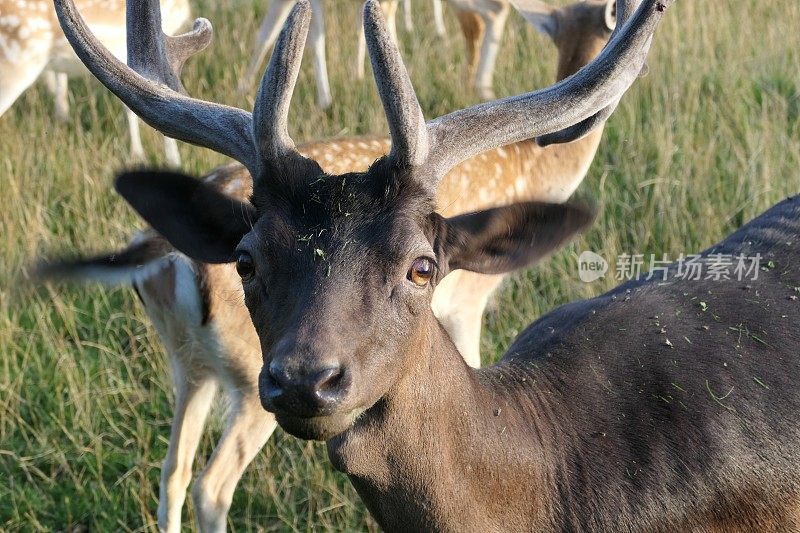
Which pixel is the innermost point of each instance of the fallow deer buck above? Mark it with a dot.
(32, 44)
(196, 307)
(193, 304)
(591, 421)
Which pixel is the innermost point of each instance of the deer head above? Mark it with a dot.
(338, 271)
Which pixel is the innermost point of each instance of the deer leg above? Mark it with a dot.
(137, 150)
(171, 151)
(390, 12)
(473, 27)
(458, 303)
(495, 24)
(248, 429)
(193, 397)
(49, 78)
(277, 13)
(361, 51)
(408, 20)
(438, 18)
(60, 82)
(316, 38)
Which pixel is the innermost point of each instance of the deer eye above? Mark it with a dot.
(421, 271)
(245, 266)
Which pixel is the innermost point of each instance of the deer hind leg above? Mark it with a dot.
(458, 303)
(277, 13)
(194, 393)
(316, 38)
(473, 27)
(248, 429)
(495, 19)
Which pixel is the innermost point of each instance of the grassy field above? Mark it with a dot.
(707, 141)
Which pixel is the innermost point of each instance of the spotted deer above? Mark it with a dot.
(199, 312)
(591, 421)
(32, 45)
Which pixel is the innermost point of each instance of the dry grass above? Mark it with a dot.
(707, 141)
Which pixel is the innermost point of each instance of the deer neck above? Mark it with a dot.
(441, 440)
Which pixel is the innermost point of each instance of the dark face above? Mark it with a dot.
(339, 271)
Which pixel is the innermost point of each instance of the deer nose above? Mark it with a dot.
(307, 391)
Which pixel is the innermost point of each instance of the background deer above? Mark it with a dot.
(273, 21)
(438, 17)
(482, 23)
(591, 421)
(32, 44)
(198, 310)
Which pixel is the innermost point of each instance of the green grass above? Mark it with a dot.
(708, 140)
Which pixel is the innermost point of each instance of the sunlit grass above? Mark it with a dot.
(708, 140)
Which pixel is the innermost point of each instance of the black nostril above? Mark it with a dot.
(303, 390)
(330, 385)
(327, 379)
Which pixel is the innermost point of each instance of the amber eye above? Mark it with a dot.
(245, 266)
(421, 271)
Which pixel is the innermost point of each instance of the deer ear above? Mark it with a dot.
(540, 15)
(508, 238)
(194, 217)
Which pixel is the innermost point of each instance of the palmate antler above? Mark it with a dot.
(151, 87)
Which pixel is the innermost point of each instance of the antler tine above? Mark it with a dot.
(160, 103)
(624, 10)
(271, 111)
(181, 47)
(406, 123)
(462, 134)
(155, 55)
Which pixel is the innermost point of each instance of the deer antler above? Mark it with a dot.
(624, 8)
(406, 122)
(155, 55)
(574, 104)
(151, 85)
(271, 111)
